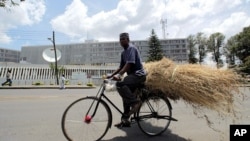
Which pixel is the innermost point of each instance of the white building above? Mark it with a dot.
(82, 60)
(102, 53)
(9, 55)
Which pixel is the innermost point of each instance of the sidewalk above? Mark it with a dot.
(46, 87)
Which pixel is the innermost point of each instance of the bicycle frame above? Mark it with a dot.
(96, 105)
(101, 95)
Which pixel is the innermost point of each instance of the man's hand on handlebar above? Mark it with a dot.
(116, 77)
(109, 76)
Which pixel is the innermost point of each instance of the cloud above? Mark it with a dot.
(130, 16)
(231, 25)
(4, 38)
(33, 10)
(138, 17)
(201, 16)
(141, 16)
(27, 13)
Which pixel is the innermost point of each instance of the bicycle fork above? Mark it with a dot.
(93, 108)
(88, 117)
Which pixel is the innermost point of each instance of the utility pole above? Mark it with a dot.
(54, 46)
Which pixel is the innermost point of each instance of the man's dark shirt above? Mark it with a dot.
(132, 56)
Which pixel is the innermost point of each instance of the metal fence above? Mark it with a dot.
(34, 74)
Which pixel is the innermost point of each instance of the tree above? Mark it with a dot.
(215, 43)
(155, 51)
(230, 50)
(246, 65)
(192, 50)
(9, 3)
(243, 44)
(201, 43)
(243, 48)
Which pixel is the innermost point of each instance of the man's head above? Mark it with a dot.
(124, 39)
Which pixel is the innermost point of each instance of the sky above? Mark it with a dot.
(75, 21)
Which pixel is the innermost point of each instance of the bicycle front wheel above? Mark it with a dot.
(154, 115)
(79, 122)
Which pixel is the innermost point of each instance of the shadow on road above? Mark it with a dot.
(135, 134)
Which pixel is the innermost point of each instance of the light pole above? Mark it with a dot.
(54, 45)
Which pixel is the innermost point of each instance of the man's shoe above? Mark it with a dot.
(123, 123)
(135, 108)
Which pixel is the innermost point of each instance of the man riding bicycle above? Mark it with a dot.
(131, 64)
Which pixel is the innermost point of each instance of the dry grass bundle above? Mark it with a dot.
(200, 86)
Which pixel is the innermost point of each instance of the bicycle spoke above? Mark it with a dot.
(154, 116)
(74, 121)
(77, 125)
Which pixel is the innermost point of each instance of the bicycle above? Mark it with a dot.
(92, 115)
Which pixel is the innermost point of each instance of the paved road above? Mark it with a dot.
(35, 115)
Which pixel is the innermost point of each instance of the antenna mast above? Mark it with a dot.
(164, 27)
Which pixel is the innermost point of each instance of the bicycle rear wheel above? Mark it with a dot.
(154, 115)
(79, 123)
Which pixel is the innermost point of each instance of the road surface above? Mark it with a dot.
(35, 115)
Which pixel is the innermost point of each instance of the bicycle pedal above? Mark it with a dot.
(133, 120)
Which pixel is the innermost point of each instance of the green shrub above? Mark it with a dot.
(37, 83)
(67, 82)
(90, 84)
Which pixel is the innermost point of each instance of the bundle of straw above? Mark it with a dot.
(198, 85)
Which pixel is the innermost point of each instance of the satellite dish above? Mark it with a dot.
(49, 54)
